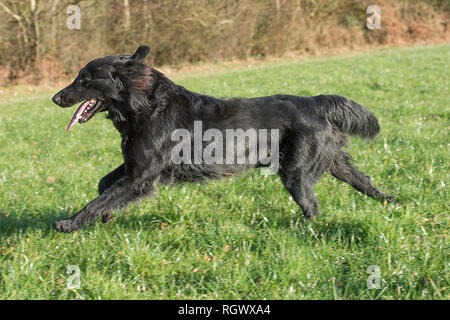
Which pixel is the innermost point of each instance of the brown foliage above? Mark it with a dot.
(36, 45)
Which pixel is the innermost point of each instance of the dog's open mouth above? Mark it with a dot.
(85, 112)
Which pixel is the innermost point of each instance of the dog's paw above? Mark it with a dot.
(64, 226)
(107, 217)
(392, 200)
(311, 213)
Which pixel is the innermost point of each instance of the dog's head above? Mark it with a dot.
(102, 84)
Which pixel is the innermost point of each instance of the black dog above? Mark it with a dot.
(146, 108)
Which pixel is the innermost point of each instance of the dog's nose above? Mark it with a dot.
(57, 98)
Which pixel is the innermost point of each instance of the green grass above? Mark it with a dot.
(240, 238)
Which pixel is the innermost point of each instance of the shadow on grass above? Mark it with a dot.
(322, 229)
(349, 233)
(23, 223)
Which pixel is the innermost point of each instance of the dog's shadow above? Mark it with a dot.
(322, 228)
(22, 223)
(26, 223)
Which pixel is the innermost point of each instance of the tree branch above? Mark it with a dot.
(15, 16)
(19, 20)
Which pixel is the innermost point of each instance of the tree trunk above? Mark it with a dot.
(126, 12)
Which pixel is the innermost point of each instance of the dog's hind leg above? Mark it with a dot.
(299, 175)
(301, 189)
(344, 171)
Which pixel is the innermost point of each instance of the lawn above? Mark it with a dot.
(241, 237)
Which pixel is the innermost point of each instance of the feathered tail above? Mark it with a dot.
(348, 116)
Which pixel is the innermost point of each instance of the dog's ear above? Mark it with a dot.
(140, 54)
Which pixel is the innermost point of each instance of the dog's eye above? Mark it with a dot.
(84, 80)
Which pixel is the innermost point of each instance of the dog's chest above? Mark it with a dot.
(120, 126)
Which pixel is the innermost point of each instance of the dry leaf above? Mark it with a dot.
(163, 226)
(50, 180)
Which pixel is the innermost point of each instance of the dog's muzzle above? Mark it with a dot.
(57, 98)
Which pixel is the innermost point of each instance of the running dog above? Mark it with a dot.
(146, 108)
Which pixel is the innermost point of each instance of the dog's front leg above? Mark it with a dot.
(108, 180)
(117, 196)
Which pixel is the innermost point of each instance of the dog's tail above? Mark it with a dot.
(348, 116)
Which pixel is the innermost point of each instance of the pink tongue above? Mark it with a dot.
(77, 114)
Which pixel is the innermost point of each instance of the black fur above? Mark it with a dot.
(146, 107)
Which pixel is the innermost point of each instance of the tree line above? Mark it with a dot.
(37, 40)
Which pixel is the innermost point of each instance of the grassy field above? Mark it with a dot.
(239, 238)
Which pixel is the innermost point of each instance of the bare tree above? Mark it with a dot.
(126, 11)
(27, 18)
